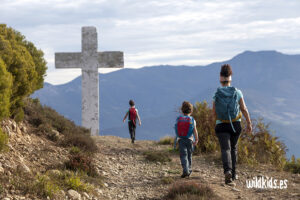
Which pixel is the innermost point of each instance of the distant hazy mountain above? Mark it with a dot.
(268, 79)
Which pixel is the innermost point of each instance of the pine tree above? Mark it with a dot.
(25, 65)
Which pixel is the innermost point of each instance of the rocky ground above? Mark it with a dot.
(129, 176)
(125, 171)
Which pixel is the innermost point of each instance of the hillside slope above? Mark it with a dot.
(125, 171)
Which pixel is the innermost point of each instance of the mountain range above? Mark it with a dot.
(269, 81)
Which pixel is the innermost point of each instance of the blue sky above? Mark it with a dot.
(153, 32)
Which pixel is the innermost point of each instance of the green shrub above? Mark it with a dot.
(81, 141)
(75, 150)
(190, 190)
(3, 140)
(44, 119)
(156, 156)
(1, 189)
(74, 182)
(43, 127)
(208, 142)
(81, 162)
(5, 89)
(259, 147)
(293, 165)
(167, 180)
(168, 140)
(44, 186)
(21, 60)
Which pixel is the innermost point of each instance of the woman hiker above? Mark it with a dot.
(228, 107)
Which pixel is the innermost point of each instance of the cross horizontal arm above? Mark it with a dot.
(68, 60)
(110, 59)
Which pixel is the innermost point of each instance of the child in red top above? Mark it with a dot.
(132, 114)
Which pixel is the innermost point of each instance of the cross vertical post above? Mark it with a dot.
(89, 60)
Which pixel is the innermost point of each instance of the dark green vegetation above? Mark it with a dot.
(22, 71)
(3, 140)
(45, 119)
(293, 165)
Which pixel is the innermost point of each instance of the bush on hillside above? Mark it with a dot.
(293, 165)
(81, 162)
(44, 119)
(190, 190)
(205, 121)
(5, 90)
(3, 140)
(259, 147)
(167, 180)
(167, 140)
(21, 60)
(157, 156)
(82, 141)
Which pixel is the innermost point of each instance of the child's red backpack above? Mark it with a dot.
(184, 126)
(132, 115)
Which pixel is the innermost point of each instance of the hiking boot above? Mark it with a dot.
(190, 172)
(235, 177)
(228, 177)
(185, 175)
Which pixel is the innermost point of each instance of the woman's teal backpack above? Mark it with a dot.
(227, 105)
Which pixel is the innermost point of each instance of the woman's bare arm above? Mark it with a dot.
(246, 114)
(214, 110)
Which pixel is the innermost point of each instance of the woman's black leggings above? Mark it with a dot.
(228, 141)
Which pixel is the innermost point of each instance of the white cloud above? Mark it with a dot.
(189, 32)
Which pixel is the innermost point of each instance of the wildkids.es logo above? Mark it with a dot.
(262, 182)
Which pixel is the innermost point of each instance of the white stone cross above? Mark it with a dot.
(89, 60)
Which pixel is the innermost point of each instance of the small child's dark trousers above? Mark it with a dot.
(132, 128)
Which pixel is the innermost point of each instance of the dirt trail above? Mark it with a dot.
(129, 176)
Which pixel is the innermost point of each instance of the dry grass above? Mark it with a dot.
(167, 180)
(167, 140)
(187, 190)
(3, 140)
(157, 156)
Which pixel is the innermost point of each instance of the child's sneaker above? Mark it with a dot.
(228, 179)
(185, 175)
(235, 177)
